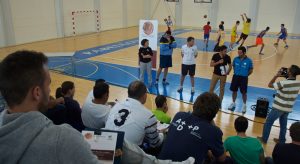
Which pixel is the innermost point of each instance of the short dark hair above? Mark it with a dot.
(237, 22)
(222, 22)
(282, 25)
(223, 47)
(100, 90)
(241, 124)
(221, 27)
(243, 49)
(19, 72)
(190, 39)
(268, 28)
(169, 32)
(143, 42)
(206, 106)
(295, 70)
(99, 81)
(63, 90)
(295, 131)
(248, 20)
(160, 100)
(136, 90)
(208, 23)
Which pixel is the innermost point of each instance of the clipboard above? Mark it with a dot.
(105, 156)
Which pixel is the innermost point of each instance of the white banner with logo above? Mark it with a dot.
(149, 30)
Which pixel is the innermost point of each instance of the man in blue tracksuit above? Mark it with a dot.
(167, 44)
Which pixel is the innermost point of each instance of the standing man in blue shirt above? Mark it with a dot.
(243, 67)
(167, 44)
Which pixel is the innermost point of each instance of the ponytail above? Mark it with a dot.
(58, 93)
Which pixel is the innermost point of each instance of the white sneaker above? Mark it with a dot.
(244, 108)
(231, 106)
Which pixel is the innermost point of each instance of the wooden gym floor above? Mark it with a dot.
(264, 68)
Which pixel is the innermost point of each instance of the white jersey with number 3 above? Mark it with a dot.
(136, 121)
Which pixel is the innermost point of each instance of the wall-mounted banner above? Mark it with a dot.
(149, 30)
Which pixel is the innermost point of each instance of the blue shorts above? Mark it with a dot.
(206, 36)
(282, 37)
(239, 82)
(165, 61)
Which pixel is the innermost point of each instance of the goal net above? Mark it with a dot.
(85, 21)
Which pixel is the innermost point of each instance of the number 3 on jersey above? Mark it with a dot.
(123, 114)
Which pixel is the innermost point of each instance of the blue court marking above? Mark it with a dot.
(104, 49)
(121, 75)
(256, 33)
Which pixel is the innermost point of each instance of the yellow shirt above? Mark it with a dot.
(246, 28)
(222, 39)
(233, 30)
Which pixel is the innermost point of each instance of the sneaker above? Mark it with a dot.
(193, 90)
(261, 139)
(275, 44)
(244, 109)
(231, 107)
(286, 46)
(165, 83)
(261, 53)
(179, 89)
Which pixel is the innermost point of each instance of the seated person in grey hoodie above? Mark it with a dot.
(26, 135)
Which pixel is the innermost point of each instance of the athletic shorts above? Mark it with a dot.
(206, 36)
(283, 37)
(233, 38)
(188, 69)
(165, 61)
(239, 82)
(244, 36)
(259, 41)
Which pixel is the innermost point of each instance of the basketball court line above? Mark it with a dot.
(169, 91)
(109, 72)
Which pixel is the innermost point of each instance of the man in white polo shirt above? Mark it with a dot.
(189, 53)
(95, 110)
(134, 119)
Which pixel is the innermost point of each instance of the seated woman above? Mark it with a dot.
(73, 110)
(56, 110)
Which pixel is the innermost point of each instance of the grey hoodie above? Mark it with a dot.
(32, 138)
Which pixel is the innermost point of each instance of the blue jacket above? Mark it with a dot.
(166, 48)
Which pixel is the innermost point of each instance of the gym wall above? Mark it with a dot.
(35, 20)
(272, 13)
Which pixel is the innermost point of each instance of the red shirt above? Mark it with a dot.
(206, 29)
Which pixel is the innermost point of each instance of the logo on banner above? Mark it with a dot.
(148, 28)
